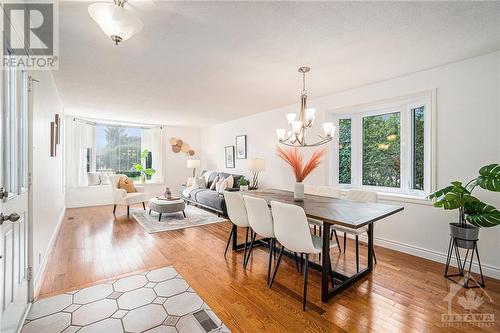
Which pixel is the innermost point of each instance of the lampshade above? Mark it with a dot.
(115, 21)
(193, 164)
(256, 164)
(281, 132)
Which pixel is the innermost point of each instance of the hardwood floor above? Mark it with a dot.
(403, 294)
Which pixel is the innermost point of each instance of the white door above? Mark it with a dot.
(14, 171)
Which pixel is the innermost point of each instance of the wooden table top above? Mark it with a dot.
(344, 212)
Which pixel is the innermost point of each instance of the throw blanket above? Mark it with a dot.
(187, 191)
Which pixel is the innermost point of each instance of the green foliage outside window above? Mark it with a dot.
(418, 148)
(345, 151)
(382, 150)
(118, 149)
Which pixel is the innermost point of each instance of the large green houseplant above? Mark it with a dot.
(470, 208)
(141, 167)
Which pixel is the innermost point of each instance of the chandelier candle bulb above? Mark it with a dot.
(310, 115)
(297, 127)
(291, 118)
(329, 129)
(281, 132)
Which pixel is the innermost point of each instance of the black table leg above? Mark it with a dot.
(325, 263)
(370, 247)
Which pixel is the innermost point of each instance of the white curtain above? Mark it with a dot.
(152, 140)
(81, 137)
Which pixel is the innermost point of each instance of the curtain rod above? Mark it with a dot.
(91, 122)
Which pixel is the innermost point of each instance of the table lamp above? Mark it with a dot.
(193, 164)
(256, 165)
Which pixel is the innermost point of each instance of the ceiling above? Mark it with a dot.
(201, 63)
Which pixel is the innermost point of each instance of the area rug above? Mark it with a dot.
(194, 217)
(158, 301)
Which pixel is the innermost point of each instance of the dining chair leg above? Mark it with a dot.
(253, 234)
(114, 209)
(357, 254)
(374, 257)
(337, 239)
(315, 230)
(306, 265)
(229, 240)
(128, 210)
(149, 212)
(271, 240)
(159, 217)
(301, 263)
(274, 248)
(143, 205)
(245, 247)
(345, 240)
(277, 266)
(297, 261)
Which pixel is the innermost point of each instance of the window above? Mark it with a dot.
(344, 151)
(417, 117)
(117, 149)
(15, 129)
(385, 147)
(382, 150)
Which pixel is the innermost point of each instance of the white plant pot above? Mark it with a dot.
(244, 188)
(298, 192)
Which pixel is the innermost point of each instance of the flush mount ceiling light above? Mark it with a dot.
(304, 121)
(115, 21)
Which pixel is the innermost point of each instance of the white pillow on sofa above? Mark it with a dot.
(226, 183)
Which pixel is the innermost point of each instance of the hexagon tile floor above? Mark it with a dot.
(159, 301)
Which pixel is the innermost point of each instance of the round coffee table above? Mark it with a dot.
(166, 206)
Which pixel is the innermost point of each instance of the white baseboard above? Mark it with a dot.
(90, 203)
(39, 275)
(488, 270)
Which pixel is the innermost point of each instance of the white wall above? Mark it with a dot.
(175, 172)
(48, 186)
(468, 136)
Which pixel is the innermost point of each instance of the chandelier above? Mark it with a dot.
(304, 121)
(116, 22)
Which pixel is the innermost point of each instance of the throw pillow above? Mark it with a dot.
(212, 187)
(127, 185)
(199, 182)
(230, 181)
(219, 183)
(226, 184)
(93, 178)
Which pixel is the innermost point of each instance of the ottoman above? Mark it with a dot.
(166, 206)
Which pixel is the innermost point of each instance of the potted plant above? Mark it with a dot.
(141, 167)
(295, 159)
(243, 183)
(470, 208)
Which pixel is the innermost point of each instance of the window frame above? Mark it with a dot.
(404, 105)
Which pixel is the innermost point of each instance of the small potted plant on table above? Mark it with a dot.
(470, 209)
(243, 184)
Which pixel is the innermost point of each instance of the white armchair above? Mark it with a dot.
(121, 197)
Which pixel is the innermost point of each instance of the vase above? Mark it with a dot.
(243, 187)
(143, 179)
(298, 192)
(464, 235)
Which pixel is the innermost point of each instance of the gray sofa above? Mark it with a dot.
(210, 199)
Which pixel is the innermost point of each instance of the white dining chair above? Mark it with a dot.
(121, 197)
(261, 222)
(360, 196)
(237, 214)
(292, 232)
(324, 191)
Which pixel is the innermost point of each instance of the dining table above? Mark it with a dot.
(332, 211)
